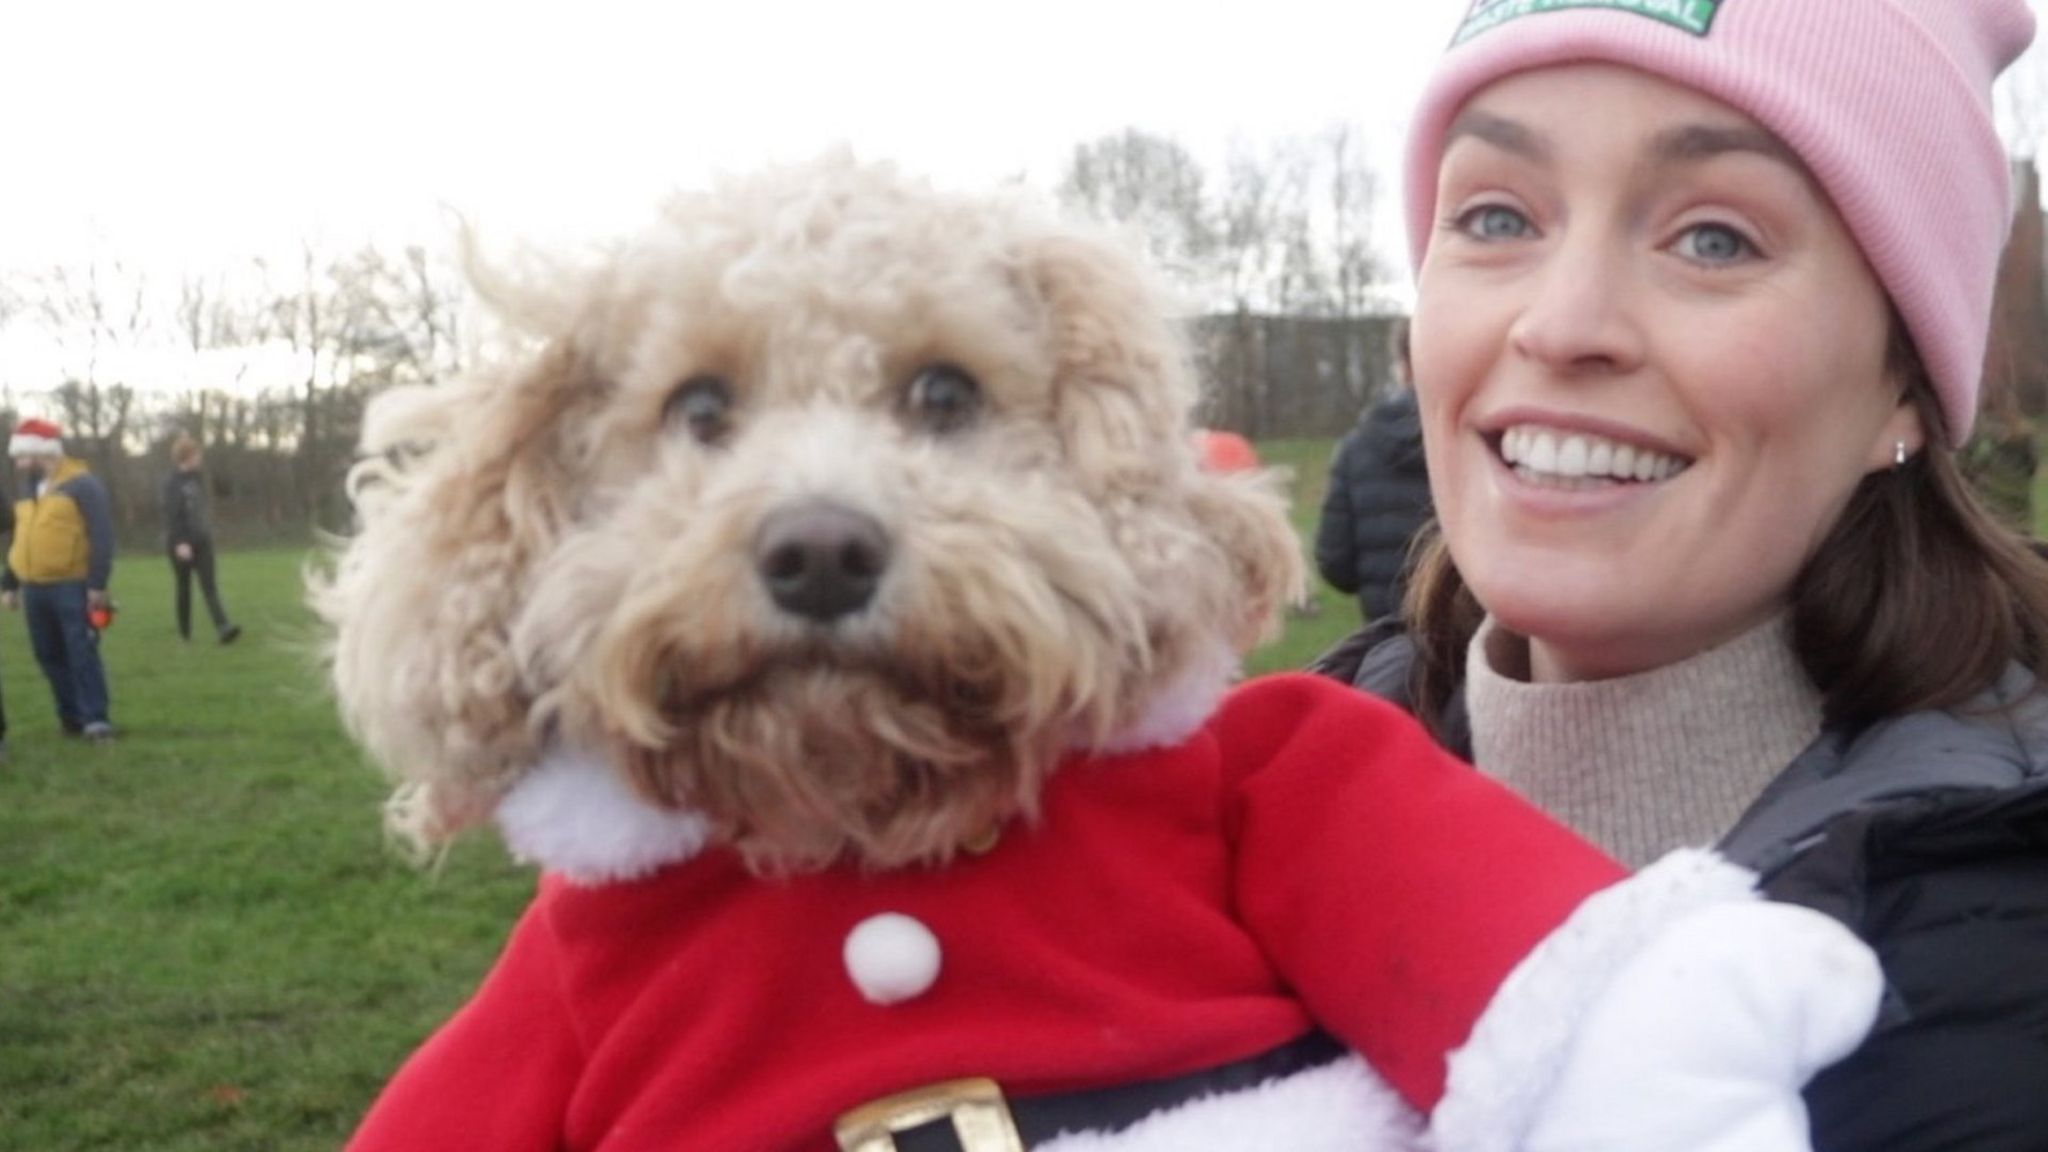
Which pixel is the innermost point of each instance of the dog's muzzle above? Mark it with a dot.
(821, 560)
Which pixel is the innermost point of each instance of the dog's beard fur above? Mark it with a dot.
(803, 766)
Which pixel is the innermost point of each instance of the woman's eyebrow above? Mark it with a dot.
(1694, 143)
(1500, 132)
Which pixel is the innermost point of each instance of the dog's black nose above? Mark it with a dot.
(821, 560)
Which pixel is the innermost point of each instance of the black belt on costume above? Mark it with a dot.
(975, 1116)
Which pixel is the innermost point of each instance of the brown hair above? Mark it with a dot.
(1917, 598)
(184, 450)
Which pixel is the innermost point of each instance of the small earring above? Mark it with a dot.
(1898, 454)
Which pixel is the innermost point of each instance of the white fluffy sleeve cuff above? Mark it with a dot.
(1676, 1011)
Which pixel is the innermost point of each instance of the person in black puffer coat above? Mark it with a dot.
(1377, 501)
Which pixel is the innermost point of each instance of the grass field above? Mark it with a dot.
(203, 943)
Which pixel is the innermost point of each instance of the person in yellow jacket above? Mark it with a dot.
(57, 572)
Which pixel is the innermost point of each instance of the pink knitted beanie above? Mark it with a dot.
(1887, 101)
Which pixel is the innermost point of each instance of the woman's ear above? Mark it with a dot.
(1901, 437)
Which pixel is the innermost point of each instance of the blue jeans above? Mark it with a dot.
(67, 650)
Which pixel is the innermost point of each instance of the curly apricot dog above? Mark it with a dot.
(826, 595)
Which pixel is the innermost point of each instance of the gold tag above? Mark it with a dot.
(984, 842)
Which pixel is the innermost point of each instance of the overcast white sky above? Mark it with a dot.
(204, 130)
(191, 135)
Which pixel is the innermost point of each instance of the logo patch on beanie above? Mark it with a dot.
(1694, 16)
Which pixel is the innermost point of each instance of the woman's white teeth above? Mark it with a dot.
(1577, 455)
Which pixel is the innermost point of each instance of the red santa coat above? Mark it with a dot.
(1308, 857)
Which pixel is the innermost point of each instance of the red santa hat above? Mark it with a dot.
(34, 437)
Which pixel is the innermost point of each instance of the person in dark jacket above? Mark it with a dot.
(1694, 346)
(188, 537)
(1376, 504)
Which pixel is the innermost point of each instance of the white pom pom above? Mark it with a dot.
(891, 958)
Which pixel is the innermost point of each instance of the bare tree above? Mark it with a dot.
(344, 326)
(1354, 194)
(11, 301)
(1263, 212)
(305, 315)
(208, 317)
(90, 310)
(356, 324)
(1151, 183)
(408, 312)
(1310, 252)
(434, 314)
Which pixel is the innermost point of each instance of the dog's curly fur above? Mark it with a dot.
(551, 550)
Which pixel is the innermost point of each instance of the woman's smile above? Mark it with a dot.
(1581, 461)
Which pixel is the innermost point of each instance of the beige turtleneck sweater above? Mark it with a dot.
(1643, 764)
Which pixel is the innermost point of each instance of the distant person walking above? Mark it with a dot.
(188, 534)
(57, 572)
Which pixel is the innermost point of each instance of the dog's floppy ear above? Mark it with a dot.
(1245, 513)
(1124, 394)
(1122, 385)
(461, 489)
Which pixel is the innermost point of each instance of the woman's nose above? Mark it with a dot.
(1582, 312)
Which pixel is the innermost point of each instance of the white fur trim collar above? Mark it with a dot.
(1182, 705)
(572, 814)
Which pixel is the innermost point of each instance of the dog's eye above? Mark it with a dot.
(943, 398)
(703, 405)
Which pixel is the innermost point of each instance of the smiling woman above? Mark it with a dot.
(1667, 286)
(1701, 310)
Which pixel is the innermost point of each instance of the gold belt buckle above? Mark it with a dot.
(981, 1120)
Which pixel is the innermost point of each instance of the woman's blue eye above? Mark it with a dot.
(1494, 222)
(1714, 244)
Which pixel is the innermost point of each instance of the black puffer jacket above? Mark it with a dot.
(1928, 835)
(1377, 500)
